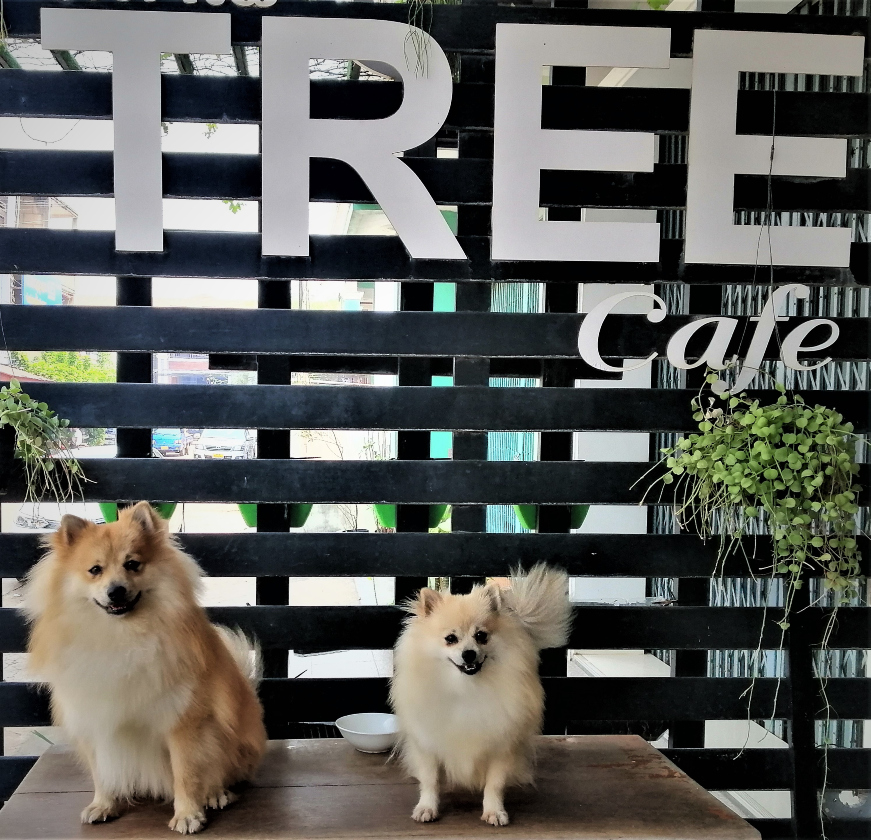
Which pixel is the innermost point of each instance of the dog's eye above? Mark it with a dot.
(481, 637)
(95, 570)
(132, 565)
(451, 639)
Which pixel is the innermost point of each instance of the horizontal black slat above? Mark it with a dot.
(231, 255)
(608, 698)
(448, 181)
(408, 408)
(472, 27)
(355, 482)
(776, 829)
(237, 100)
(720, 769)
(848, 769)
(595, 627)
(23, 704)
(13, 768)
(427, 555)
(428, 334)
(770, 769)
(376, 628)
(340, 482)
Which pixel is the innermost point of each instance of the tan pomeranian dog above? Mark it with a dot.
(466, 689)
(158, 701)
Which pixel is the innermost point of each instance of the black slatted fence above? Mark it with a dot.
(416, 343)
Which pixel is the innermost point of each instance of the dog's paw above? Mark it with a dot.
(98, 812)
(425, 813)
(221, 800)
(499, 817)
(188, 823)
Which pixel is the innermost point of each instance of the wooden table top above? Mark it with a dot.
(592, 787)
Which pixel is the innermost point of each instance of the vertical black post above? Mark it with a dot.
(689, 592)
(470, 446)
(693, 592)
(806, 701)
(7, 454)
(414, 297)
(414, 446)
(556, 446)
(471, 297)
(273, 443)
(134, 367)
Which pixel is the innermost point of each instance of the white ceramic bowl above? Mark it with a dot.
(370, 732)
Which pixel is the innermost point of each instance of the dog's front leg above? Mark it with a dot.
(188, 781)
(105, 806)
(494, 791)
(425, 768)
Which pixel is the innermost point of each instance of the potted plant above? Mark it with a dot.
(386, 515)
(297, 514)
(528, 515)
(165, 510)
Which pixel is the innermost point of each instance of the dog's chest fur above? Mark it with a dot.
(119, 695)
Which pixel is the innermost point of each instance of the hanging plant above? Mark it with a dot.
(49, 470)
(788, 464)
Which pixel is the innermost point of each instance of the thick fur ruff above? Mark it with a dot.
(473, 721)
(159, 702)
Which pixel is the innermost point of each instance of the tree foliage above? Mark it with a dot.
(68, 366)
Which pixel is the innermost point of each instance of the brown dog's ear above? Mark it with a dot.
(427, 601)
(494, 595)
(145, 516)
(71, 528)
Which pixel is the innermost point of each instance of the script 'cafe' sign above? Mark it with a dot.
(714, 355)
(522, 149)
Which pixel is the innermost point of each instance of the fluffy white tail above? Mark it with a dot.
(541, 600)
(245, 652)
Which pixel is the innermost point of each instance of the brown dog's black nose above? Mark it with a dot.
(469, 656)
(117, 594)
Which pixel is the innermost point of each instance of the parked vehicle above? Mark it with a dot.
(225, 443)
(170, 441)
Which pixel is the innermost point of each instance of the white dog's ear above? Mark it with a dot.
(494, 595)
(71, 528)
(427, 601)
(145, 516)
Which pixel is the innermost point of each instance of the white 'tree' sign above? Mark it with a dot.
(522, 149)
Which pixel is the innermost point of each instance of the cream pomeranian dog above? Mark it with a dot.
(466, 689)
(158, 701)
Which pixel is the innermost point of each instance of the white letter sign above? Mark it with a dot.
(136, 40)
(588, 335)
(291, 137)
(717, 154)
(522, 148)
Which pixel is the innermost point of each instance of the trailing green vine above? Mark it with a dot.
(418, 38)
(49, 469)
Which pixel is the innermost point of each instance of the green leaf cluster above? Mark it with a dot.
(788, 462)
(40, 444)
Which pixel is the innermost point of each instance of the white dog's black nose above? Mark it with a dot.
(469, 656)
(117, 594)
